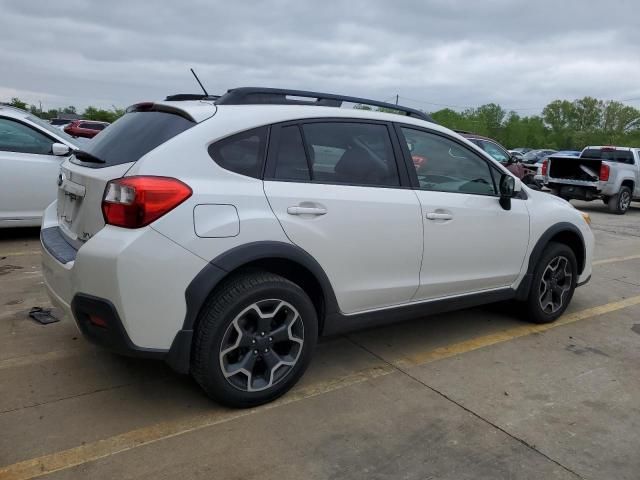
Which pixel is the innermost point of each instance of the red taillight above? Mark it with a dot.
(604, 172)
(134, 202)
(545, 165)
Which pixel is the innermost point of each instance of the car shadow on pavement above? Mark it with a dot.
(21, 233)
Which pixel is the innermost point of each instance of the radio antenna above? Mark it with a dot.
(199, 82)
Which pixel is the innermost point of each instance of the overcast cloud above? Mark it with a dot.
(519, 53)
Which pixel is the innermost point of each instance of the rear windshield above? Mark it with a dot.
(131, 137)
(620, 156)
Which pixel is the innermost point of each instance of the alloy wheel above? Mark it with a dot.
(555, 284)
(261, 345)
(625, 200)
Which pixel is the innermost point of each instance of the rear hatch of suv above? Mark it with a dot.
(109, 156)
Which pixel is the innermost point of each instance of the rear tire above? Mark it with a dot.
(553, 284)
(254, 339)
(619, 203)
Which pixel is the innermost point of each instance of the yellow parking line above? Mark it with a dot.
(510, 334)
(89, 452)
(615, 259)
(72, 457)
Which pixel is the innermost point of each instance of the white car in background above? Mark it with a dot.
(31, 152)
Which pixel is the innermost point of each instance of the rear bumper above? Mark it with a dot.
(99, 322)
(581, 190)
(135, 280)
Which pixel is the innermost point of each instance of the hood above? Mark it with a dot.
(540, 196)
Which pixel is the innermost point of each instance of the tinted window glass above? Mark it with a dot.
(620, 156)
(351, 153)
(291, 159)
(242, 153)
(133, 135)
(50, 128)
(445, 166)
(16, 137)
(495, 151)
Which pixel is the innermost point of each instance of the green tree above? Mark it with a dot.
(16, 102)
(99, 114)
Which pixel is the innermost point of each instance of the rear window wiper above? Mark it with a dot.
(87, 157)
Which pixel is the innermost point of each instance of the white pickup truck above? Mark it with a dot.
(611, 174)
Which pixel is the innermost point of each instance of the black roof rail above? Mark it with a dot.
(179, 97)
(279, 96)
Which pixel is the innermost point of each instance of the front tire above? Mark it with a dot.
(254, 339)
(620, 202)
(553, 284)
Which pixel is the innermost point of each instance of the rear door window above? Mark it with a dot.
(291, 159)
(129, 138)
(351, 153)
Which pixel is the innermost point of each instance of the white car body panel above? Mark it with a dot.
(482, 247)
(122, 265)
(28, 180)
(375, 245)
(369, 241)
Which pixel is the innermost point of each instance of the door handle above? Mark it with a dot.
(439, 216)
(306, 210)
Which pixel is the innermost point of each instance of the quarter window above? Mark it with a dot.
(445, 166)
(16, 137)
(242, 153)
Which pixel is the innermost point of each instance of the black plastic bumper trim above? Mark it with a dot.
(55, 243)
(114, 337)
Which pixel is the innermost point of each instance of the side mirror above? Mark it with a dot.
(60, 149)
(508, 187)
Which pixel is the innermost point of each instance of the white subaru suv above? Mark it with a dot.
(225, 234)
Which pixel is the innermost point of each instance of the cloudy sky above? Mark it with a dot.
(519, 53)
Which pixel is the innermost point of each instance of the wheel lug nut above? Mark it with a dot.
(255, 352)
(266, 350)
(253, 341)
(271, 339)
(262, 334)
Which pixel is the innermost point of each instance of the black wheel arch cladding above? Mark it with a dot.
(209, 277)
(562, 232)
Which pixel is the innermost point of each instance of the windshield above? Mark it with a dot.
(536, 155)
(52, 129)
